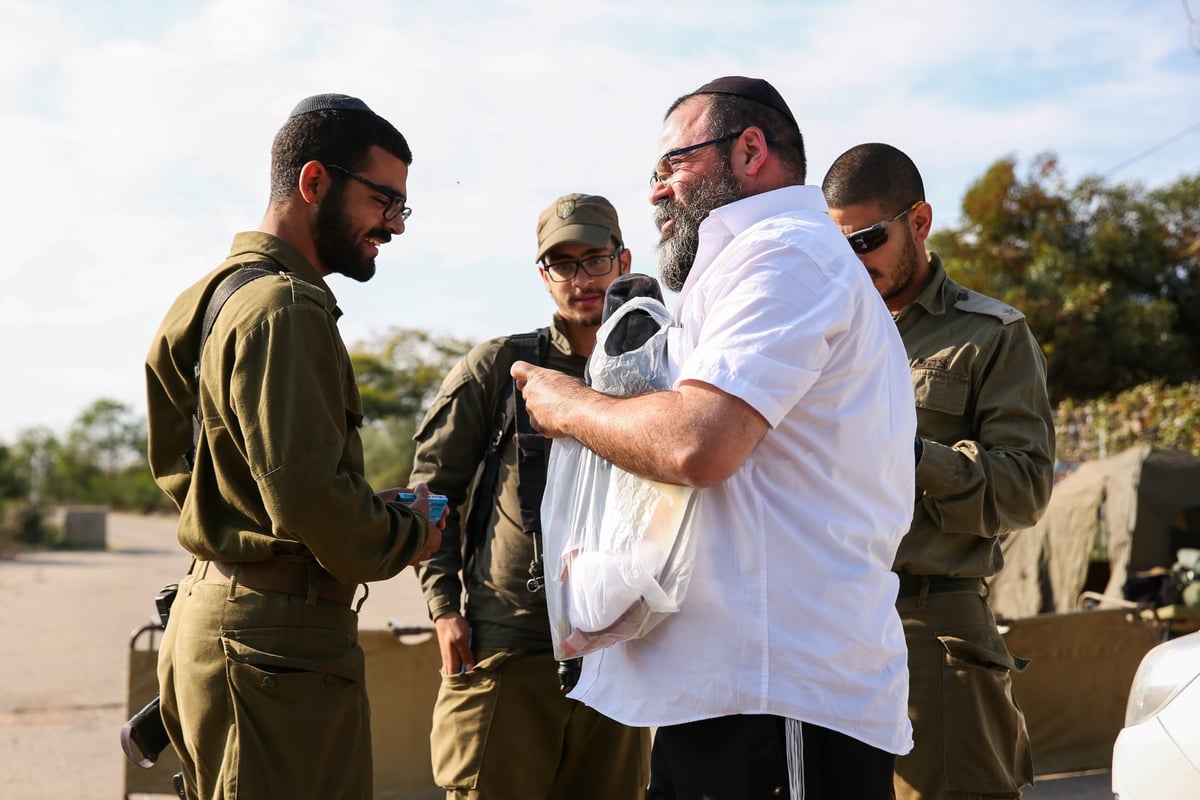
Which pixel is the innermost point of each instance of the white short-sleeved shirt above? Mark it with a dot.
(791, 607)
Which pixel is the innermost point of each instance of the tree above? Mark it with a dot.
(400, 370)
(13, 484)
(100, 461)
(1105, 274)
(399, 373)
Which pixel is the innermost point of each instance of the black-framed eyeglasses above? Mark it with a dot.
(394, 207)
(876, 236)
(595, 266)
(666, 165)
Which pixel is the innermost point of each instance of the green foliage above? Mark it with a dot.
(1108, 276)
(14, 482)
(100, 461)
(400, 370)
(398, 375)
(388, 449)
(1153, 414)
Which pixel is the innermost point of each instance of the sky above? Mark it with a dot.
(139, 132)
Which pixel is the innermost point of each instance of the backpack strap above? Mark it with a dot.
(509, 414)
(225, 289)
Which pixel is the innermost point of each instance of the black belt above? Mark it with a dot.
(914, 585)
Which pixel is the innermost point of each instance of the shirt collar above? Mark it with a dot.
(932, 298)
(558, 336)
(253, 245)
(724, 224)
(737, 217)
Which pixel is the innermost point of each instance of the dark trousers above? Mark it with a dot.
(745, 758)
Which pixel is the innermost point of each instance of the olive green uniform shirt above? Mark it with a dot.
(279, 466)
(451, 447)
(983, 412)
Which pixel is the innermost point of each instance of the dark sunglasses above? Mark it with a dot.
(876, 236)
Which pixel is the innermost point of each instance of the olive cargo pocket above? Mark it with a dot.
(462, 717)
(941, 391)
(987, 743)
(300, 714)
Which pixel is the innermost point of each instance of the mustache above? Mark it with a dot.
(665, 209)
(380, 234)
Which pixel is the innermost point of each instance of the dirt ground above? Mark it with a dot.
(66, 618)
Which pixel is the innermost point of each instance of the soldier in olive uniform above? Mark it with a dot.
(501, 726)
(260, 672)
(984, 467)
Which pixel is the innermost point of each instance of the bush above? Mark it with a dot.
(1152, 414)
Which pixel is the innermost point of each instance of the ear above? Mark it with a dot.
(921, 220)
(545, 278)
(749, 153)
(624, 261)
(313, 182)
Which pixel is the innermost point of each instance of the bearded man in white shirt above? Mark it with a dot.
(784, 673)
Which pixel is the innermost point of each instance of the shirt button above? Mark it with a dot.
(269, 680)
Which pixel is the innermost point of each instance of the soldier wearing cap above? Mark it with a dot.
(783, 673)
(501, 725)
(257, 442)
(984, 467)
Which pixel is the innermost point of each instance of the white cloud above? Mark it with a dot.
(139, 132)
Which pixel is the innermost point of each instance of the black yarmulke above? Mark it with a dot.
(329, 102)
(755, 89)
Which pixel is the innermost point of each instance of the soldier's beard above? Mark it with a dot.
(338, 246)
(677, 252)
(903, 270)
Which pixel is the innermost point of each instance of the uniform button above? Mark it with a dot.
(269, 680)
(328, 679)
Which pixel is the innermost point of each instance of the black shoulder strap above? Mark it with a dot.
(531, 347)
(531, 445)
(225, 289)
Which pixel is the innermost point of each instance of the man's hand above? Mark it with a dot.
(421, 505)
(549, 396)
(454, 643)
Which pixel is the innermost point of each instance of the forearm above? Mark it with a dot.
(968, 488)
(693, 436)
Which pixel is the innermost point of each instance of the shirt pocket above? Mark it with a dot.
(940, 390)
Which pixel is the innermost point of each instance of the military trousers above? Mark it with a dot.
(506, 731)
(263, 694)
(969, 736)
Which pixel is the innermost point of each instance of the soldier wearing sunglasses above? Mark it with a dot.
(984, 467)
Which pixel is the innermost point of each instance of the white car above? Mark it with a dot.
(1157, 753)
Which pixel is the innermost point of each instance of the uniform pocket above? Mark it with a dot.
(462, 717)
(987, 743)
(301, 720)
(941, 391)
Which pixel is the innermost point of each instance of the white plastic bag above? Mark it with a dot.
(618, 549)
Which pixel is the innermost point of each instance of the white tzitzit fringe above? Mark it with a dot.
(795, 758)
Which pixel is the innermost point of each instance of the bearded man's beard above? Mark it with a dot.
(677, 252)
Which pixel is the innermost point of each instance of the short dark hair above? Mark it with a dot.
(873, 173)
(330, 136)
(729, 113)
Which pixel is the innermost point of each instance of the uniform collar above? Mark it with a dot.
(558, 336)
(933, 297)
(254, 245)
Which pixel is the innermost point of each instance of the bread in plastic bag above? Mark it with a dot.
(618, 548)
